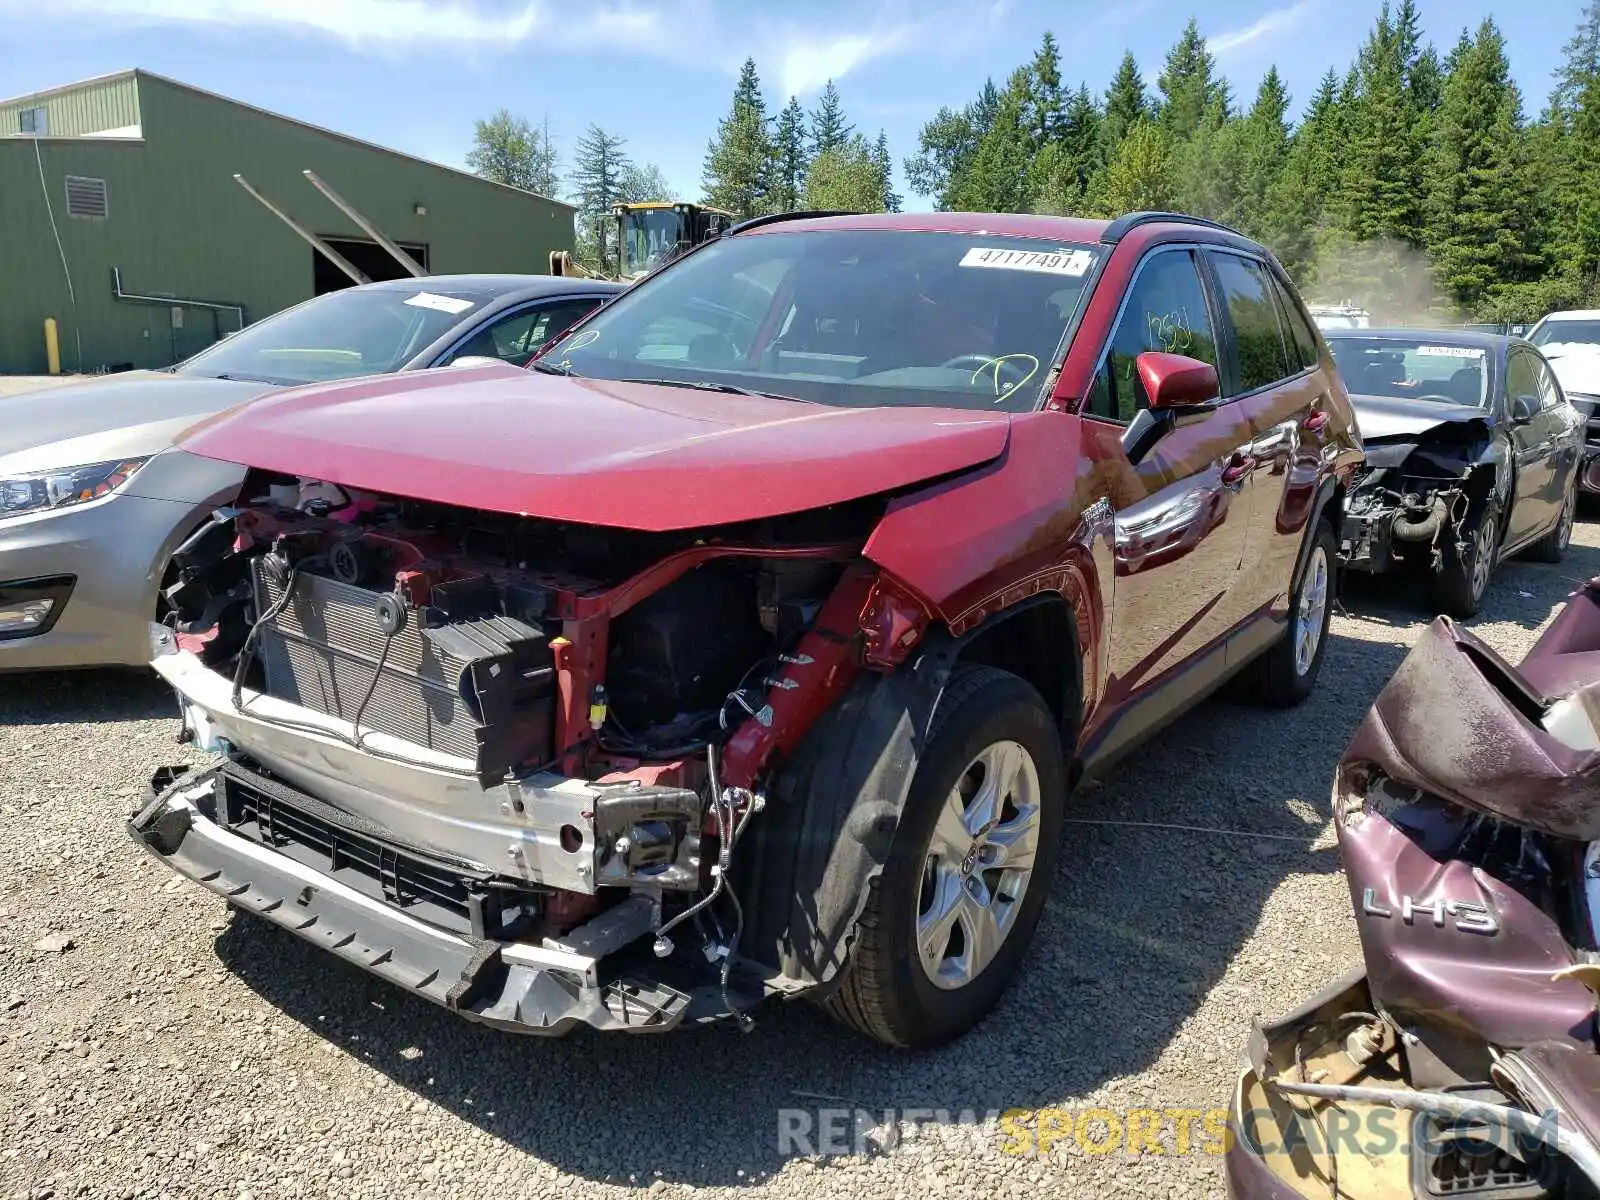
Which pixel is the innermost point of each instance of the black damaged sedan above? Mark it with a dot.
(1473, 455)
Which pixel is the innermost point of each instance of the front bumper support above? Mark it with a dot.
(517, 986)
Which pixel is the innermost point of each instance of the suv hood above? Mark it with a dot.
(1577, 367)
(629, 455)
(1386, 417)
(120, 416)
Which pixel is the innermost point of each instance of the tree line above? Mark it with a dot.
(1414, 183)
(757, 163)
(509, 150)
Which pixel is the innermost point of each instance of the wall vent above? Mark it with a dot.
(86, 197)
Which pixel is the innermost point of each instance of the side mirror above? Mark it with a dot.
(1175, 382)
(1524, 409)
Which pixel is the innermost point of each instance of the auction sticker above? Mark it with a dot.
(1051, 262)
(1451, 351)
(453, 305)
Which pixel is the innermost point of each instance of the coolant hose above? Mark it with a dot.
(1411, 527)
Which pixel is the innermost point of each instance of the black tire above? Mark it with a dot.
(1281, 677)
(887, 993)
(1459, 588)
(1552, 547)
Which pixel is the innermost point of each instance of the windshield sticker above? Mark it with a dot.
(1051, 262)
(453, 305)
(1451, 351)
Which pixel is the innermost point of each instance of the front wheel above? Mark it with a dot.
(949, 919)
(1458, 589)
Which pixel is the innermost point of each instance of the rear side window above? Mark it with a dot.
(1301, 339)
(1166, 311)
(1259, 356)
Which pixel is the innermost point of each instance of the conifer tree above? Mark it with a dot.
(1477, 192)
(789, 159)
(738, 168)
(829, 129)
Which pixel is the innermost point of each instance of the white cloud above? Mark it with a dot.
(361, 23)
(797, 59)
(1273, 21)
(805, 60)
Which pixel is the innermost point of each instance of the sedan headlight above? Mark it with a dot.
(70, 485)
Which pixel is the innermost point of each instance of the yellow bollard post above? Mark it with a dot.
(52, 346)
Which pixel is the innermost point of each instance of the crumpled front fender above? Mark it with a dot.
(806, 872)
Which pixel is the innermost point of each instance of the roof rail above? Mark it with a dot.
(1122, 226)
(803, 214)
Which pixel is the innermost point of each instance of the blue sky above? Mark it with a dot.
(414, 74)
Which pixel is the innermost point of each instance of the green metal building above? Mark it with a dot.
(121, 218)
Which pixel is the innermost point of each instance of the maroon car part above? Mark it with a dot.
(1466, 808)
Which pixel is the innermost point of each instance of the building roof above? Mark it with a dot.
(140, 73)
(63, 88)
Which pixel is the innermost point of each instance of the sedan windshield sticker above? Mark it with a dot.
(1051, 262)
(453, 305)
(1451, 351)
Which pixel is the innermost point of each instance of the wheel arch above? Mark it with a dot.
(1037, 641)
(1327, 505)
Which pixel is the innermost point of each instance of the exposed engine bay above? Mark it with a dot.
(1417, 501)
(543, 740)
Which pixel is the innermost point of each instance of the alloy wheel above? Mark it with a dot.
(1483, 543)
(979, 865)
(1311, 611)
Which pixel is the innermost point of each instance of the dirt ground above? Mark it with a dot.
(172, 1049)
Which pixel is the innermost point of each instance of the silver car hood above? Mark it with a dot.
(118, 416)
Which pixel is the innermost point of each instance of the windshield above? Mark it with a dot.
(648, 235)
(356, 331)
(1555, 337)
(855, 318)
(1412, 369)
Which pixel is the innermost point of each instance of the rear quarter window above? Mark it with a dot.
(1302, 338)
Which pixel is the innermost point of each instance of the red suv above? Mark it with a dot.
(752, 642)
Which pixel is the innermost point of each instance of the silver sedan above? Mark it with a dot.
(94, 498)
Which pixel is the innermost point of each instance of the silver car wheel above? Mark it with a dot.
(979, 865)
(1483, 553)
(1311, 612)
(1569, 515)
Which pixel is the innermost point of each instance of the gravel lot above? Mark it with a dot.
(172, 1050)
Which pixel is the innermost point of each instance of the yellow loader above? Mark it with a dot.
(650, 234)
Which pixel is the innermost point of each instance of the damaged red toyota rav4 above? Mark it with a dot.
(752, 642)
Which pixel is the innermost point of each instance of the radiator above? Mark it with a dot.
(480, 688)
